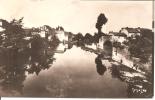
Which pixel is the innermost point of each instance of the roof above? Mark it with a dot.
(117, 34)
(133, 30)
(111, 32)
(120, 34)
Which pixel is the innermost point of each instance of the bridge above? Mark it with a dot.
(104, 41)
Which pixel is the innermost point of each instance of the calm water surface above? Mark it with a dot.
(69, 72)
(74, 74)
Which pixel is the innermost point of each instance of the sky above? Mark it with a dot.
(78, 15)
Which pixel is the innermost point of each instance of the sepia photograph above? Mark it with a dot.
(77, 48)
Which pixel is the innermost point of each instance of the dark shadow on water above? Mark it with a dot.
(99, 66)
(14, 64)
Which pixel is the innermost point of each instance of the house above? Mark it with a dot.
(119, 37)
(34, 31)
(61, 34)
(27, 31)
(47, 32)
(70, 36)
(131, 32)
(50, 34)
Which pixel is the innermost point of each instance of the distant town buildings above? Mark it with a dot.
(118, 37)
(62, 35)
(131, 32)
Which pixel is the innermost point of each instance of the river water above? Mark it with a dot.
(71, 73)
(74, 74)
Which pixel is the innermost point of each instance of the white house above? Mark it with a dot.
(131, 32)
(119, 37)
(61, 34)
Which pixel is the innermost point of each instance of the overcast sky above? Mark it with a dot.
(78, 16)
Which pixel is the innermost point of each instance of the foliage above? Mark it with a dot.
(100, 21)
(13, 33)
(88, 39)
(78, 37)
(118, 45)
(140, 47)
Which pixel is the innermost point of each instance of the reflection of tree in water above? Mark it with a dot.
(13, 70)
(14, 64)
(137, 86)
(40, 60)
(100, 67)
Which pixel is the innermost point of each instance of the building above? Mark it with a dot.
(118, 37)
(131, 32)
(70, 36)
(61, 34)
(27, 31)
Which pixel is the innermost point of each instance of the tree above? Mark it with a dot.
(88, 38)
(14, 32)
(100, 21)
(78, 37)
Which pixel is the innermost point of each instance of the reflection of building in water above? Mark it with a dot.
(122, 56)
(108, 50)
(62, 47)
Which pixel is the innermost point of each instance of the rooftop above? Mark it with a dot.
(117, 33)
(133, 30)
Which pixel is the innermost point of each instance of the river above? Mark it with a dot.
(71, 73)
(74, 74)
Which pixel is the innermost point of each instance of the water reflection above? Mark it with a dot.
(99, 66)
(138, 85)
(41, 56)
(14, 64)
(13, 71)
(115, 72)
(39, 59)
